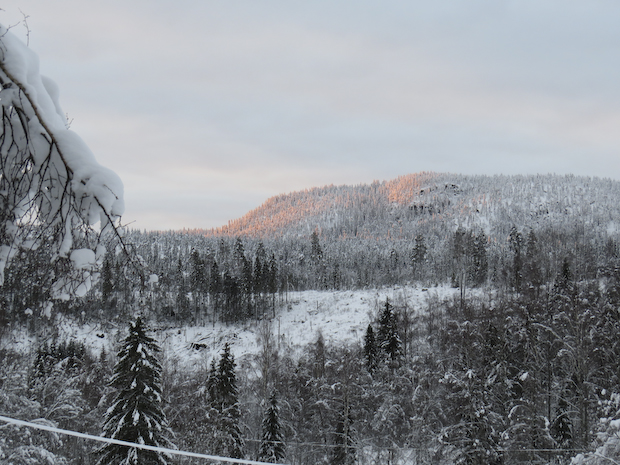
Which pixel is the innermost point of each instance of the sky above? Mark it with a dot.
(206, 109)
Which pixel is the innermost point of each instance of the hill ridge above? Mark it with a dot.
(404, 205)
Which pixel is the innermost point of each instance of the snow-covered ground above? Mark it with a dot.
(341, 316)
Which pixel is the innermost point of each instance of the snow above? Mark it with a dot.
(47, 309)
(83, 259)
(340, 316)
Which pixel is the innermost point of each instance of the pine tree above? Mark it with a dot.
(272, 447)
(136, 415)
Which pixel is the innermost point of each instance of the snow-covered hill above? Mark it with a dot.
(421, 202)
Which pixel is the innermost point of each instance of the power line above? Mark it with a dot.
(130, 444)
(214, 457)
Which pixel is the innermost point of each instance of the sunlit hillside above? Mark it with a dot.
(423, 202)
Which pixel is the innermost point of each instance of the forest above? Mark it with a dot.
(520, 367)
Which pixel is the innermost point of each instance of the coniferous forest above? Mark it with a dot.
(520, 365)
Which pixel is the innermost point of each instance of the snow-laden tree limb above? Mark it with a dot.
(53, 193)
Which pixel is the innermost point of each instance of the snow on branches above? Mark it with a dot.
(53, 193)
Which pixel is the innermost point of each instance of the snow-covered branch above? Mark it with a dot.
(53, 193)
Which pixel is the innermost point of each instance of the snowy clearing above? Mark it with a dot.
(341, 316)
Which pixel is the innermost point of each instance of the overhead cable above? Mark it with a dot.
(163, 450)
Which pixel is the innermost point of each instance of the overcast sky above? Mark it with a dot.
(207, 108)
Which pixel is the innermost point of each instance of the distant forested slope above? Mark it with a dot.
(514, 233)
(415, 203)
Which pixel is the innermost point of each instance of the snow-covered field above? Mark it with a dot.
(341, 316)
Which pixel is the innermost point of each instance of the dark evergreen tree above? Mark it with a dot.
(136, 415)
(211, 383)
(371, 353)
(318, 353)
(239, 258)
(388, 338)
(272, 280)
(318, 263)
(224, 413)
(215, 287)
(418, 256)
(182, 311)
(564, 281)
(261, 270)
(107, 284)
(232, 297)
(215, 281)
(247, 287)
(272, 447)
(480, 265)
(316, 252)
(532, 275)
(562, 426)
(179, 278)
(515, 241)
(198, 276)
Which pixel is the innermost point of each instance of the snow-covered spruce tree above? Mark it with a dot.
(136, 414)
(55, 199)
(388, 339)
(272, 447)
(224, 413)
(562, 426)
